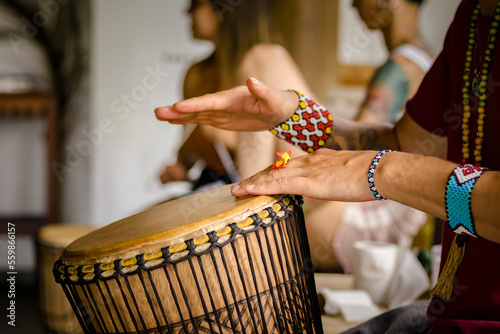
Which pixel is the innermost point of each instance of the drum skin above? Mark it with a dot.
(208, 262)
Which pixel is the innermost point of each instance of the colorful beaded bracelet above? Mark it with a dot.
(309, 127)
(371, 172)
(458, 196)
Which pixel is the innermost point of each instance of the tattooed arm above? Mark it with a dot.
(387, 92)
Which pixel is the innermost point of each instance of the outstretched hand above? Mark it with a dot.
(324, 174)
(254, 107)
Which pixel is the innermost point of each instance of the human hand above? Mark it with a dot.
(254, 107)
(175, 172)
(324, 174)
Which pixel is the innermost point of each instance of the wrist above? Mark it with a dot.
(293, 106)
(309, 127)
(458, 198)
(375, 173)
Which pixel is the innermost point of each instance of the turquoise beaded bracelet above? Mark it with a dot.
(457, 198)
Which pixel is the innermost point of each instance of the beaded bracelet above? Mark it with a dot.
(371, 171)
(308, 128)
(457, 198)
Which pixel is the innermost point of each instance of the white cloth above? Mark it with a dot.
(418, 56)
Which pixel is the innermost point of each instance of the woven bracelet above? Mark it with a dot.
(309, 127)
(458, 196)
(371, 172)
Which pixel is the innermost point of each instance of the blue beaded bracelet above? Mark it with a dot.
(371, 172)
(457, 198)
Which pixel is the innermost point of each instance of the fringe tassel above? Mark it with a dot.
(446, 280)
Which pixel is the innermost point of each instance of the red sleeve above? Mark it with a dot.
(432, 98)
(432, 106)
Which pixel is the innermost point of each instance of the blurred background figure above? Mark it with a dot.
(246, 43)
(393, 83)
(409, 57)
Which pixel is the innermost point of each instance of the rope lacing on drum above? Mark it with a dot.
(178, 252)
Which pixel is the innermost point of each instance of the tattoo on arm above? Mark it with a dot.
(387, 93)
(348, 135)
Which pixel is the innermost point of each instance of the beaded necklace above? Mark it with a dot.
(478, 84)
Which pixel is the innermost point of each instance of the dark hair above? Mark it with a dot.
(419, 2)
(243, 25)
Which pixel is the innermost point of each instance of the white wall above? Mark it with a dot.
(141, 50)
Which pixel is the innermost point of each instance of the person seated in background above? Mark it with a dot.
(246, 43)
(239, 54)
(392, 84)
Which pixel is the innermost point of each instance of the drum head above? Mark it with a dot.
(164, 225)
(62, 234)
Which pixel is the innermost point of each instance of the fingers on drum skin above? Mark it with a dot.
(272, 182)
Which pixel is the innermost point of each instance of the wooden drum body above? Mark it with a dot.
(56, 313)
(205, 263)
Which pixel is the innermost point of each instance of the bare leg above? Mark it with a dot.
(322, 219)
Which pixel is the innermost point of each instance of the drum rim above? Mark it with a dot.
(85, 273)
(136, 239)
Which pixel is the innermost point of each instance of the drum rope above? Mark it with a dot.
(174, 295)
(290, 294)
(114, 305)
(107, 307)
(287, 304)
(162, 310)
(148, 297)
(223, 292)
(200, 293)
(281, 325)
(236, 229)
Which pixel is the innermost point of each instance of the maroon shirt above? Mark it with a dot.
(437, 107)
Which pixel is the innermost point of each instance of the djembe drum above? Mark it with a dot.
(204, 263)
(55, 311)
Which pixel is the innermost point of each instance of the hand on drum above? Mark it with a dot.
(254, 107)
(324, 174)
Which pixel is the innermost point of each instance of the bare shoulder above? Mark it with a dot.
(195, 79)
(195, 72)
(267, 55)
(272, 64)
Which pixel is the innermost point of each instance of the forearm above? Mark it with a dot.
(350, 135)
(256, 151)
(420, 182)
(485, 206)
